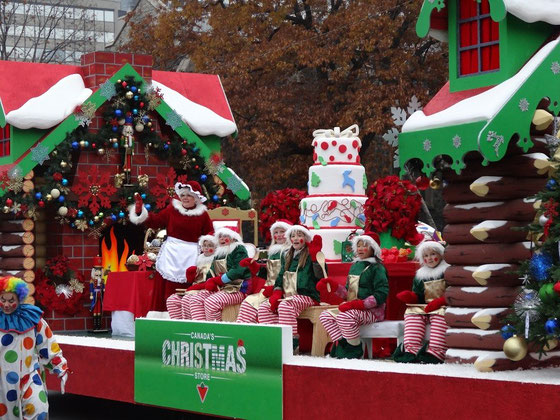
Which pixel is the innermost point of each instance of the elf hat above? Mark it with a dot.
(14, 285)
(229, 231)
(426, 245)
(281, 223)
(299, 228)
(370, 238)
(209, 238)
(190, 187)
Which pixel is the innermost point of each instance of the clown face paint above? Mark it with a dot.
(187, 201)
(279, 236)
(9, 302)
(224, 240)
(431, 258)
(364, 250)
(208, 248)
(298, 239)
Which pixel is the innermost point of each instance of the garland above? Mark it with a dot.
(279, 204)
(59, 288)
(394, 204)
(99, 198)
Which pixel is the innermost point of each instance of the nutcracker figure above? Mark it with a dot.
(127, 141)
(96, 291)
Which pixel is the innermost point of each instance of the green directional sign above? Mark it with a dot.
(224, 369)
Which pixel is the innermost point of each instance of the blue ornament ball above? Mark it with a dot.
(507, 331)
(86, 143)
(121, 214)
(551, 184)
(113, 218)
(64, 181)
(136, 97)
(75, 145)
(128, 120)
(143, 195)
(551, 326)
(118, 112)
(215, 198)
(114, 128)
(115, 145)
(133, 88)
(195, 149)
(135, 111)
(148, 207)
(165, 147)
(72, 225)
(80, 213)
(145, 118)
(61, 199)
(540, 265)
(38, 195)
(203, 178)
(90, 223)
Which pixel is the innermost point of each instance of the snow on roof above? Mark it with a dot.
(481, 107)
(53, 106)
(535, 10)
(202, 120)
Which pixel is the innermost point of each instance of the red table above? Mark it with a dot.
(131, 291)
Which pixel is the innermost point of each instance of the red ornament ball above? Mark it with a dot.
(123, 84)
(183, 152)
(9, 202)
(141, 104)
(41, 203)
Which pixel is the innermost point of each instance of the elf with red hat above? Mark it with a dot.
(294, 289)
(186, 220)
(227, 281)
(248, 312)
(366, 291)
(425, 304)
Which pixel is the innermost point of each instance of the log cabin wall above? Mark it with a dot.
(484, 203)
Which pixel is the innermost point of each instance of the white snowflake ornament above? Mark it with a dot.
(456, 141)
(392, 137)
(399, 115)
(555, 67)
(414, 105)
(396, 159)
(39, 154)
(427, 145)
(524, 105)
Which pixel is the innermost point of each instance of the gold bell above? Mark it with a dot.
(435, 183)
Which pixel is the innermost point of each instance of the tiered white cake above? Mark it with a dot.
(337, 184)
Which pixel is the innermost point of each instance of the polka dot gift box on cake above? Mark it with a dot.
(337, 186)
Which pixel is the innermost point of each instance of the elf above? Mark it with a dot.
(366, 291)
(186, 220)
(425, 304)
(249, 307)
(295, 286)
(28, 348)
(178, 305)
(227, 282)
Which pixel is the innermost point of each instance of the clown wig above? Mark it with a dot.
(14, 285)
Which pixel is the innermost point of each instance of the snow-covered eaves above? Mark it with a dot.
(53, 106)
(535, 10)
(203, 121)
(481, 107)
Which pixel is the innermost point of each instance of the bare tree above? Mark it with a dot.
(45, 31)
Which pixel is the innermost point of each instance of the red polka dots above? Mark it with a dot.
(342, 148)
(314, 156)
(358, 159)
(350, 156)
(355, 144)
(314, 143)
(331, 158)
(28, 392)
(334, 143)
(324, 145)
(28, 343)
(3, 409)
(48, 331)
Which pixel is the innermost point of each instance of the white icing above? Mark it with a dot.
(491, 267)
(336, 150)
(536, 156)
(479, 205)
(9, 248)
(332, 181)
(461, 311)
(491, 311)
(451, 331)
(486, 179)
(474, 289)
(549, 355)
(490, 224)
(343, 215)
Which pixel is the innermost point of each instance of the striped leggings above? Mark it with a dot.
(215, 303)
(415, 328)
(173, 304)
(193, 306)
(288, 311)
(346, 324)
(248, 314)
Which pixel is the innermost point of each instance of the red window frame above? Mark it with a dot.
(478, 38)
(5, 141)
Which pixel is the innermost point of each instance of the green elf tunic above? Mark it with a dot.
(428, 284)
(228, 264)
(300, 281)
(271, 272)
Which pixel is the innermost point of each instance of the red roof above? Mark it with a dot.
(444, 98)
(20, 82)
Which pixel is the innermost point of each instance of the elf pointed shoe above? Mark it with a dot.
(401, 356)
(428, 358)
(348, 351)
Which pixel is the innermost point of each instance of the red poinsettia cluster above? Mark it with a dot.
(57, 273)
(394, 254)
(279, 204)
(394, 204)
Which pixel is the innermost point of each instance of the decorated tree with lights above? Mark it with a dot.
(534, 322)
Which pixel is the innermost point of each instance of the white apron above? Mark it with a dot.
(174, 257)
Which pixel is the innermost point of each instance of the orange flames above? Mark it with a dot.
(110, 256)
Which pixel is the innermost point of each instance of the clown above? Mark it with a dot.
(186, 220)
(425, 304)
(249, 307)
(366, 291)
(27, 349)
(179, 305)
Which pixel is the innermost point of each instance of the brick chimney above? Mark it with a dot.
(98, 66)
